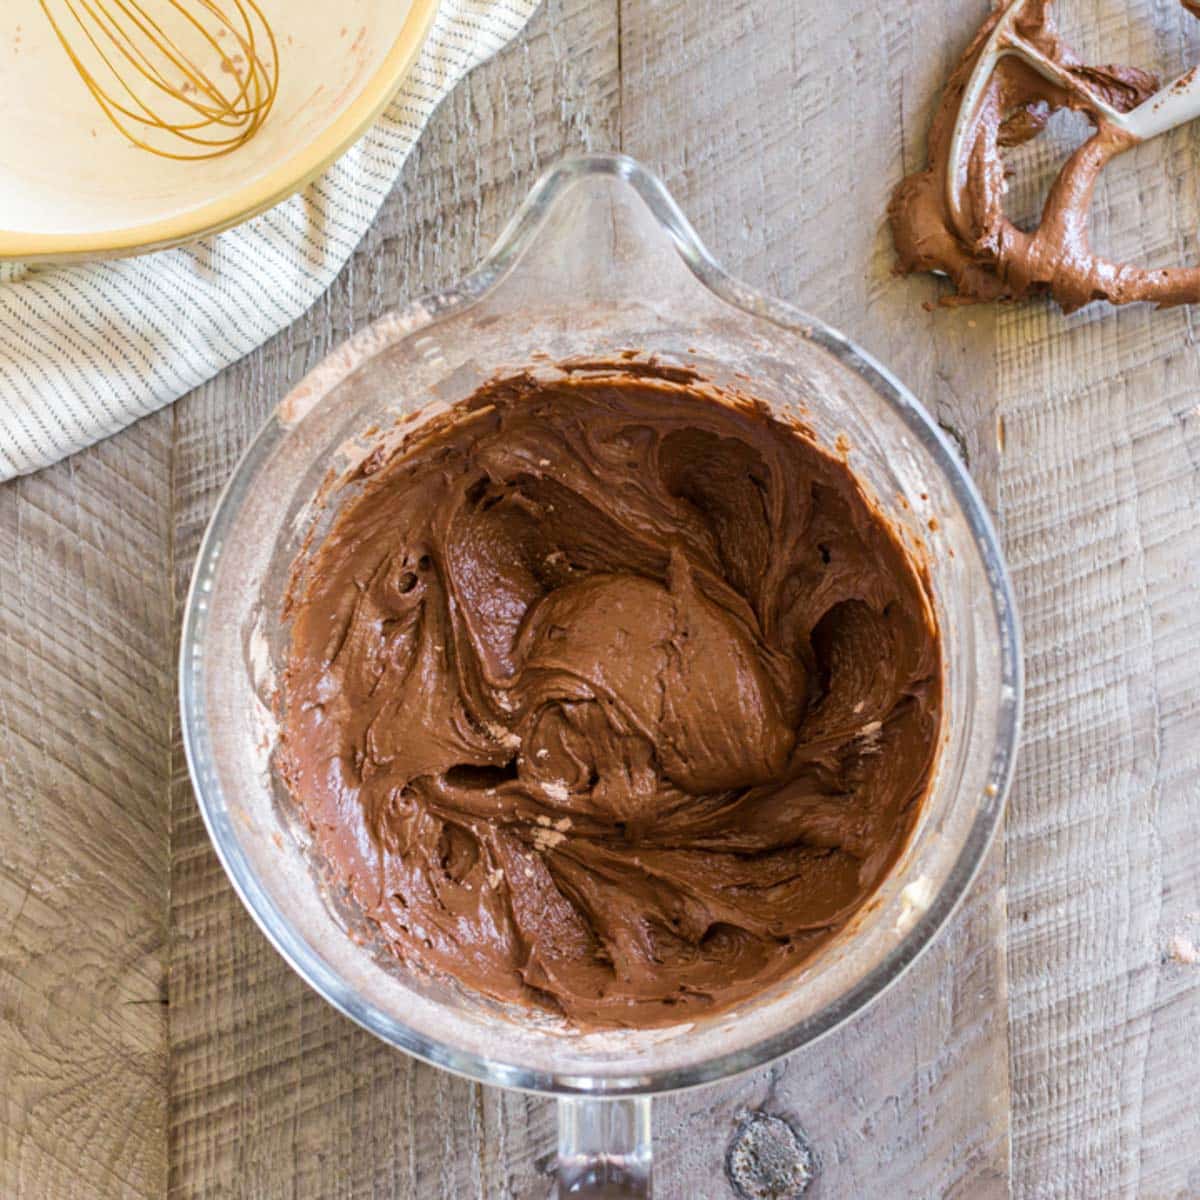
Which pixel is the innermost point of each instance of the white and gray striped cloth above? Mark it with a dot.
(87, 349)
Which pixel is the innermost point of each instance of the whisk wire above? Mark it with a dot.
(158, 39)
(135, 60)
(142, 65)
(226, 111)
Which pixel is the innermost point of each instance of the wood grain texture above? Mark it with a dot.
(85, 701)
(780, 127)
(767, 158)
(908, 1099)
(273, 1093)
(1099, 492)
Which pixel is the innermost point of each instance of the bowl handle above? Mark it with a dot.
(604, 1148)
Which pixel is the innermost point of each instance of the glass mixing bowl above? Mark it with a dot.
(598, 260)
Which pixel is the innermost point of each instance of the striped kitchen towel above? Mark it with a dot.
(87, 349)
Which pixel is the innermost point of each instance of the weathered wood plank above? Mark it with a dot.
(1099, 488)
(85, 698)
(910, 1099)
(272, 1092)
(1109, 792)
(781, 129)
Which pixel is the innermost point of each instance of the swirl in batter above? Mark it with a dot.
(609, 696)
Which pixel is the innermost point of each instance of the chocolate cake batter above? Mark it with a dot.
(985, 255)
(607, 696)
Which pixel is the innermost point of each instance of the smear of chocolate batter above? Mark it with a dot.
(608, 696)
(986, 255)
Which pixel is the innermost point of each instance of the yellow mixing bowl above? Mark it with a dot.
(72, 187)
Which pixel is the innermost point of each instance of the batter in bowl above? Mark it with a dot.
(610, 696)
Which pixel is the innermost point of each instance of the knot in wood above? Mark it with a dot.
(768, 1159)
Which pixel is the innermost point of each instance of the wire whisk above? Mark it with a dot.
(192, 79)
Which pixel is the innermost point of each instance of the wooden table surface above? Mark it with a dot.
(151, 1042)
